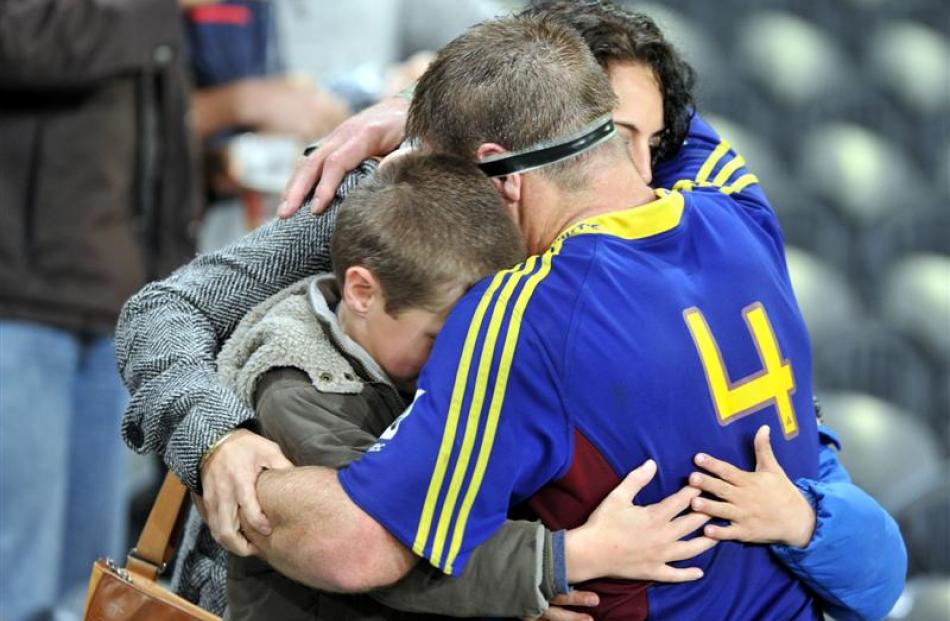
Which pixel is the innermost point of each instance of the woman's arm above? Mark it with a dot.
(170, 332)
(166, 341)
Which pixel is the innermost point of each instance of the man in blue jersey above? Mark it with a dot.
(651, 326)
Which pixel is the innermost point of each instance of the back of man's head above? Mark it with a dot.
(428, 227)
(614, 34)
(517, 82)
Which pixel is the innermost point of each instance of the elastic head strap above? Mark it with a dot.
(534, 158)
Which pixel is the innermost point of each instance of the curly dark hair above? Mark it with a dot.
(613, 33)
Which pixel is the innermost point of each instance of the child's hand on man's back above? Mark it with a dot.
(762, 506)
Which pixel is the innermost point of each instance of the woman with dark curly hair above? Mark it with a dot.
(653, 82)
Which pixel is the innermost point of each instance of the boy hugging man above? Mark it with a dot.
(330, 363)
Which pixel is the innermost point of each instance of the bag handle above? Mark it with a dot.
(151, 554)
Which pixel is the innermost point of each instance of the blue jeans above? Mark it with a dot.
(62, 463)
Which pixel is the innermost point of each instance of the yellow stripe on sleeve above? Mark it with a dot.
(475, 410)
(727, 171)
(741, 183)
(706, 169)
(455, 407)
(497, 402)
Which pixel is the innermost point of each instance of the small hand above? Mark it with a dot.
(763, 506)
(555, 612)
(623, 540)
(228, 480)
(373, 132)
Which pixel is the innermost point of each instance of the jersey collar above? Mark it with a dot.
(658, 216)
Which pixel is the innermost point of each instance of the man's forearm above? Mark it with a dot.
(321, 538)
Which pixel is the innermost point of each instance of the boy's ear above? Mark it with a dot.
(360, 288)
(509, 186)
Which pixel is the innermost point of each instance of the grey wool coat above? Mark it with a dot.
(168, 340)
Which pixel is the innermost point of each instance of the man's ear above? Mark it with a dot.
(360, 288)
(509, 186)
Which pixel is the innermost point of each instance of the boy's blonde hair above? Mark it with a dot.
(428, 226)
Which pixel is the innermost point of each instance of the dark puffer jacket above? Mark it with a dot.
(97, 193)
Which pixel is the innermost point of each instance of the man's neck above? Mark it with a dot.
(613, 187)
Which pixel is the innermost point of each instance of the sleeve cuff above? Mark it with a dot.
(791, 553)
(559, 562)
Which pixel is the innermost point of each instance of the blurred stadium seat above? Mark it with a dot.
(884, 447)
(858, 171)
(925, 599)
(916, 300)
(923, 511)
(923, 229)
(909, 61)
(813, 226)
(943, 171)
(824, 296)
(790, 58)
(933, 12)
(871, 358)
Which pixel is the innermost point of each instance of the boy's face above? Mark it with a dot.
(401, 344)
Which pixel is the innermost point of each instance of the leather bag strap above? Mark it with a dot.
(153, 551)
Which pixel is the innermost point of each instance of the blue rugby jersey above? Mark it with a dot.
(655, 332)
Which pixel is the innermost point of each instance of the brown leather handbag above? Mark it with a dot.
(132, 593)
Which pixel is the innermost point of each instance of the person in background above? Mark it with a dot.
(367, 50)
(239, 79)
(98, 197)
(250, 115)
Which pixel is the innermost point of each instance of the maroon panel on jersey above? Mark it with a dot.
(566, 503)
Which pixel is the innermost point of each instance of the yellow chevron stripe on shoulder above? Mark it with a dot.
(455, 407)
(497, 400)
(685, 185)
(463, 459)
(706, 169)
(727, 171)
(741, 183)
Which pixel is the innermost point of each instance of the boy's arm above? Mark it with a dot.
(511, 575)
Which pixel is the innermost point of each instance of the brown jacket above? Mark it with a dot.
(510, 575)
(96, 183)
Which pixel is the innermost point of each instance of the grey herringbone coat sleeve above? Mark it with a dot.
(170, 332)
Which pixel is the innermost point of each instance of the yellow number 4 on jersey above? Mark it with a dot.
(775, 383)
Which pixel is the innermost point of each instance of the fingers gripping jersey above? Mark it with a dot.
(655, 332)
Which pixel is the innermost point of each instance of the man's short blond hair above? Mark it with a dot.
(517, 81)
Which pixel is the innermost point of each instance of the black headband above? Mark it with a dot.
(524, 161)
